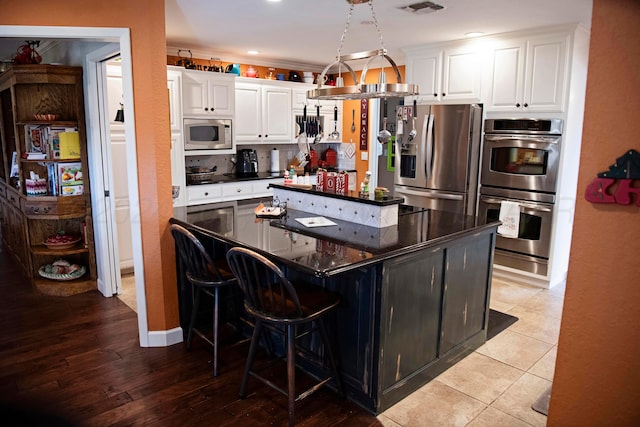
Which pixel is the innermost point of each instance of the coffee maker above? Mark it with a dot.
(247, 162)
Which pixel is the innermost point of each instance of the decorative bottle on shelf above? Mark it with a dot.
(364, 188)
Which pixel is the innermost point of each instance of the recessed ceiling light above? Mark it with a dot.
(273, 1)
(474, 34)
(253, 52)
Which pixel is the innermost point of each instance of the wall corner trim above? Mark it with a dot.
(165, 338)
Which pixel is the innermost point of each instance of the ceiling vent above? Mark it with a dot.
(422, 7)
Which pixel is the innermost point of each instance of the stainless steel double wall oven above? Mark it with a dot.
(520, 161)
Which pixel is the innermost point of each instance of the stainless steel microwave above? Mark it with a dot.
(207, 134)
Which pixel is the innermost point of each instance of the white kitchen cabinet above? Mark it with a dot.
(178, 178)
(263, 114)
(174, 85)
(529, 75)
(226, 191)
(261, 187)
(202, 194)
(208, 94)
(237, 190)
(451, 74)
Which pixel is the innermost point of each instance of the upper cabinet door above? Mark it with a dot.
(545, 76)
(207, 94)
(276, 114)
(507, 84)
(446, 75)
(248, 123)
(424, 70)
(174, 84)
(461, 75)
(222, 93)
(529, 75)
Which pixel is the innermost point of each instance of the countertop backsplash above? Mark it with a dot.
(224, 164)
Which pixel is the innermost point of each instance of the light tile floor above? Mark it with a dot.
(128, 292)
(497, 384)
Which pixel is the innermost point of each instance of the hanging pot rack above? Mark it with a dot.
(360, 89)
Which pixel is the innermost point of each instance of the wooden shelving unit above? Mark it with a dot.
(27, 220)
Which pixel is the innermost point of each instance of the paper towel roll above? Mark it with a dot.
(275, 160)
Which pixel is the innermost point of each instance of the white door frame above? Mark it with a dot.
(119, 36)
(102, 204)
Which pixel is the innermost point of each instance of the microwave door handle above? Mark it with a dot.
(523, 204)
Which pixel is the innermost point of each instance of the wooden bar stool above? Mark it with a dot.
(275, 302)
(206, 276)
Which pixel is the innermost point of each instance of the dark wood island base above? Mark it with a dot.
(414, 296)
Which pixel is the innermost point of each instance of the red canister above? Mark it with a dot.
(331, 157)
(313, 159)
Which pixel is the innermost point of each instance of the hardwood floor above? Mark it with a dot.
(76, 361)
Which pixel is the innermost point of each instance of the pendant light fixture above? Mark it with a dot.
(360, 89)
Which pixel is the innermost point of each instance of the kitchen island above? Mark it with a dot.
(414, 295)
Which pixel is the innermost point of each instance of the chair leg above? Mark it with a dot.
(194, 315)
(291, 371)
(216, 314)
(255, 339)
(332, 359)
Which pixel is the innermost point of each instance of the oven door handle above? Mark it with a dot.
(523, 138)
(524, 205)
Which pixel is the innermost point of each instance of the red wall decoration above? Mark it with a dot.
(617, 184)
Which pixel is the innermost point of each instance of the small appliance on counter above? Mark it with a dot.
(247, 163)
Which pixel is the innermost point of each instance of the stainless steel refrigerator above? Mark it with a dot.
(438, 155)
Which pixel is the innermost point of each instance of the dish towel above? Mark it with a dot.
(510, 217)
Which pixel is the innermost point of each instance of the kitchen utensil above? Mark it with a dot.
(413, 132)
(384, 135)
(335, 135)
(318, 137)
(303, 143)
(353, 120)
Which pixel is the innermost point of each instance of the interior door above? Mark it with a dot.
(119, 191)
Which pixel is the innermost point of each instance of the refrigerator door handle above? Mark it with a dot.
(427, 131)
(434, 194)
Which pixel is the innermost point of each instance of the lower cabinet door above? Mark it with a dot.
(467, 267)
(410, 313)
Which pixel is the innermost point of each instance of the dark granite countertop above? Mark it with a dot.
(329, 250)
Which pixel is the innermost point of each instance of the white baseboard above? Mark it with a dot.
(165, 338)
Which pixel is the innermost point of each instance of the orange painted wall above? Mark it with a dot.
(348, 106)
(145, 18)
(597, 377)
